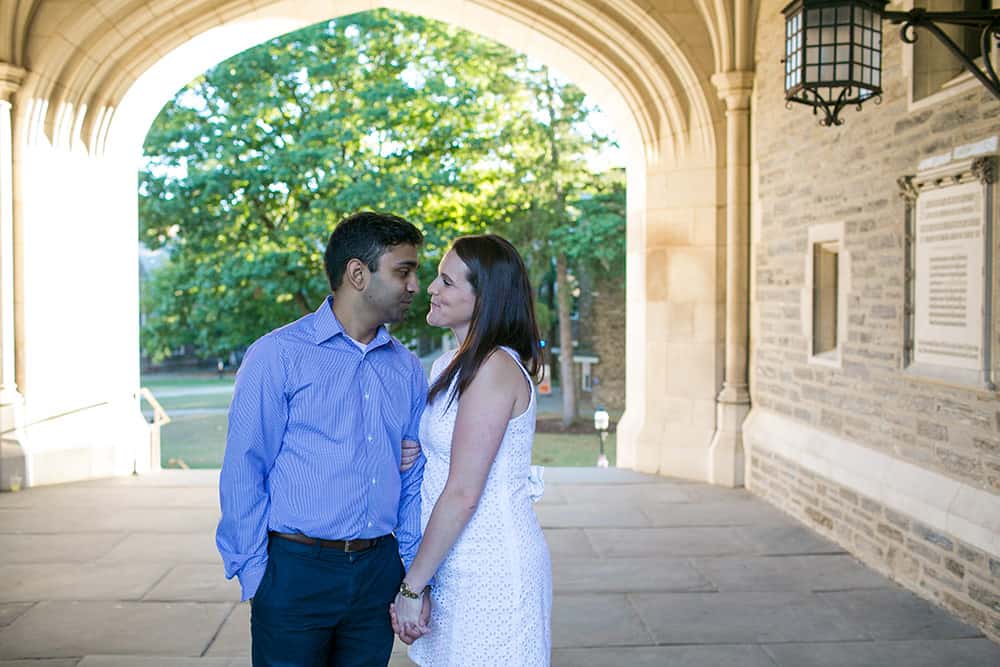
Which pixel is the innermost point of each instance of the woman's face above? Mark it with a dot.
(452, 297)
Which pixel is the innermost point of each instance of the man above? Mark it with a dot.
(315, 512)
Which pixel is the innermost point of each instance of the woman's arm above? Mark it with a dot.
(483, 412)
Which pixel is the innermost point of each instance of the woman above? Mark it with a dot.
(491, 600)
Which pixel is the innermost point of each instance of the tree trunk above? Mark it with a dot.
(567, 379)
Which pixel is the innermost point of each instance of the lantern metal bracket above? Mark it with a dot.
(831, 108)
(988, 21)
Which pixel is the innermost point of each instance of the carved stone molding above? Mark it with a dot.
(11, 77)
(985, 169)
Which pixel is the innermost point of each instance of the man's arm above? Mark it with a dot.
(408, 518)
(257, 418)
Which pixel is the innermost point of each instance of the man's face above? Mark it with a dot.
(391, 288)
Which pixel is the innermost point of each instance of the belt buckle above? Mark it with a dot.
(347, 546)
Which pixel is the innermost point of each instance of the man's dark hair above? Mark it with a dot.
(365, 236)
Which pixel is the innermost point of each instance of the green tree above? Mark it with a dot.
(252, 164)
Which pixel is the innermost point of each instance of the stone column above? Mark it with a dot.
(11, 400)
(726, 460)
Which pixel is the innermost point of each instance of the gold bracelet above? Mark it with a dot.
(406, 592)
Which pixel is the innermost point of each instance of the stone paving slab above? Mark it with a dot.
(633, 494)
(58, 548)
(788, 573)
(195, 583)
(582, 620)
(67, 629)
(783, 540)
(9, 611)
(659, 656)
(85, 520)
(622, 575)
(76, 581)
(662, 542)
(743, 618)
(570, 542)
(130, 496)
(714, 513)
(939, 653)
(233, 639)
(894, 613)
(146, 661)
(180, 479)
(171, 547)
(579, 515)
(688, 575)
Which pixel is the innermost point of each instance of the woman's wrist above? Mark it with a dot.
(408, 590)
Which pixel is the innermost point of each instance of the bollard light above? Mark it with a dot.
(601, 422)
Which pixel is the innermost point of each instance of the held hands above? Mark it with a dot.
(410, 452)
(411, 617)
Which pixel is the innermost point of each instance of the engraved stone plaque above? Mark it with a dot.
(949, 274)
(950, 296)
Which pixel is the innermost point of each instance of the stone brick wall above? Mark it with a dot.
(959, 577)
(808, 175)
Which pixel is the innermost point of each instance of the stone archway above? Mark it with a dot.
(82, 84)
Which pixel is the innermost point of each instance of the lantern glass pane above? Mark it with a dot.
(844, 14)
(877, 40)
(812, 17)
(812, 36)
(877, 78)
(843, 53)
(829, 15)
(843, 72)
(826, 55)
(829, 35)
(812, 74)
(843, 34)
(857, 73)
(812, 55)
(826, 72)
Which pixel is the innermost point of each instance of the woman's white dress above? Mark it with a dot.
(492, 595)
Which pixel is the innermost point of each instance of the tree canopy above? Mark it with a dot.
(251, 165)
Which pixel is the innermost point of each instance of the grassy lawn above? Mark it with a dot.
(200, 440)
(172, 380)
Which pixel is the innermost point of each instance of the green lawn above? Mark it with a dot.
(172, 380)
(200, 440)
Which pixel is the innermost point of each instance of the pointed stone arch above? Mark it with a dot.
(95, 73)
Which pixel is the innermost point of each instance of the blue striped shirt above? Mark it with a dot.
(315, 432)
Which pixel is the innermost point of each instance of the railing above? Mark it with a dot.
(160, 417)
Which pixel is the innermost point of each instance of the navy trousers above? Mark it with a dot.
(319, 607)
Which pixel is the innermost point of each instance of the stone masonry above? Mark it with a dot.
(936, 566)
(807, 175)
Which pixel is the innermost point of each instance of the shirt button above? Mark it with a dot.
(366, 397)
(369, 438)
(369, 524)
(373, 480)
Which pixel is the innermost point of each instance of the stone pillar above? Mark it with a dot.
(726, 459)
(11, 401)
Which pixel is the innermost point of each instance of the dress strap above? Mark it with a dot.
(527, 376)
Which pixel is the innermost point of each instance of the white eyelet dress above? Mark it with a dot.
(492, 598)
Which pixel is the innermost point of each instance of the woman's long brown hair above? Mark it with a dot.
(504, 313)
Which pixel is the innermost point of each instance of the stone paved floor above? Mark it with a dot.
(648, 571)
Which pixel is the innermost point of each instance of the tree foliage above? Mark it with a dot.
(252, 164)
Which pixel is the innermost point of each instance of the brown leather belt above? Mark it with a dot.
(347, 546)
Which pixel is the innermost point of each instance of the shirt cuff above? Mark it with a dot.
(250, 578)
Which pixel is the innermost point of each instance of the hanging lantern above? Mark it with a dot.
(833, 54)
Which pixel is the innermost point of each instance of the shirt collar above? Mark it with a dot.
(326, 326)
